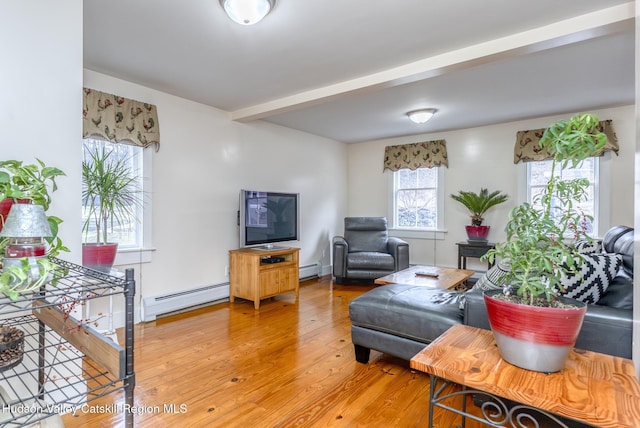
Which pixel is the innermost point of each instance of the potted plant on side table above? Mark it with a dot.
(111, 197)
(478, 204)
(534, 327)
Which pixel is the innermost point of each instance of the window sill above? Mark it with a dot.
(132, 256)
(418, 234)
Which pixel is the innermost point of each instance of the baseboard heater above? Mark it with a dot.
(309, 271)
(152, 307)
(169, 303)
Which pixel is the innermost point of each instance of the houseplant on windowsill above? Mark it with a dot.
(478, 204)
(535, 328)
(111, 197)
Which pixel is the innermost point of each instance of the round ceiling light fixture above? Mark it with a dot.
(247, 12)
(422, 115)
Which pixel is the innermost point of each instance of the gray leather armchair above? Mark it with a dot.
(366, 251)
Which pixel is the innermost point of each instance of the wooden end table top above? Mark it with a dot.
(596, 389)
(448, 278)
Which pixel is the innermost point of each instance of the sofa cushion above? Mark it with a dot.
(370, 260)
(620, 240)
(413, 312)
(619, 295)
(366, 233)
(589, 283)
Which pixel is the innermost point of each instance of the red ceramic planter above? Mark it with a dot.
(99, 257)
(532, 337)
(477, 233)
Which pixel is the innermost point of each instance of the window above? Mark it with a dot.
(417, 198)
(538, 173)
(135, 235)
(257, 210)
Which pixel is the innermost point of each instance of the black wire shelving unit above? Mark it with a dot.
(66, 364)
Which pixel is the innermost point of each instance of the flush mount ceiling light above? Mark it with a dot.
(422, 115)
(247, 12)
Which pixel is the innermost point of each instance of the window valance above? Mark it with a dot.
(418, 155)
(119, 120)
(528, 149)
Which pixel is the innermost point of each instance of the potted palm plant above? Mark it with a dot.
(534, 327)
(478, 204)
(111, 197)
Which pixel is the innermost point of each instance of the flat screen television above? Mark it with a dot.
(266, 218)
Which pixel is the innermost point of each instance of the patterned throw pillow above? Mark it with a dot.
(492, 279)
(593, 277)
(588, 247)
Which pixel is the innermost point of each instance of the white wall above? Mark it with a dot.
(41, 87)
(203, 162)
(636, 296)
(40, 116)
(481, 157)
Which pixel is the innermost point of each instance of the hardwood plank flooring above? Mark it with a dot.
(290, 364)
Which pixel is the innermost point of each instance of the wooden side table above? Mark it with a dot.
(595, 389)
(472, 250)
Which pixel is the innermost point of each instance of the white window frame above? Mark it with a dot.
(438, 232)
(136, 255)
(602, 182)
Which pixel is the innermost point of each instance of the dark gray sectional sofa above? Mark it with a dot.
(401, 320)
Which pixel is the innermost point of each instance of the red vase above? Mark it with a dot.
(477, 233)
(533, 337)
(99, 257)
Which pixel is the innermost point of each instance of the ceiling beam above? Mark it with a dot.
(584, 27)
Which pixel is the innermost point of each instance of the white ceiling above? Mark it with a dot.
(350, 69)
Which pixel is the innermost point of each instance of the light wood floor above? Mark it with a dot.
(288, 364)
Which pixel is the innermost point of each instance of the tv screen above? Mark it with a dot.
(268, 217)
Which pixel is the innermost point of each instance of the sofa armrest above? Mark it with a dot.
(399, 249)
(475, 311)
(340, 251)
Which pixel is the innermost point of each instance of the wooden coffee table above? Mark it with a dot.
(448, 278)
(595, 389)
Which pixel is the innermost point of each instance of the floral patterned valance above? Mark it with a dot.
(119, 120)
(528, 149)
(412, 156)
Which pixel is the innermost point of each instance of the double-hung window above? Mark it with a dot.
(134, 235)
(534, 169)
(418, 198)
(538, 172)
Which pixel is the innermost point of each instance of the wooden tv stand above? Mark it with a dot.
(251, 277)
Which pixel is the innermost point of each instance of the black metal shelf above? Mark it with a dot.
(57, 373)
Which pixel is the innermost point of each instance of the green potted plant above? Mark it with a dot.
(539, 252)
(25, 264)
(478, 204)
(111, 196)
(30, 183)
